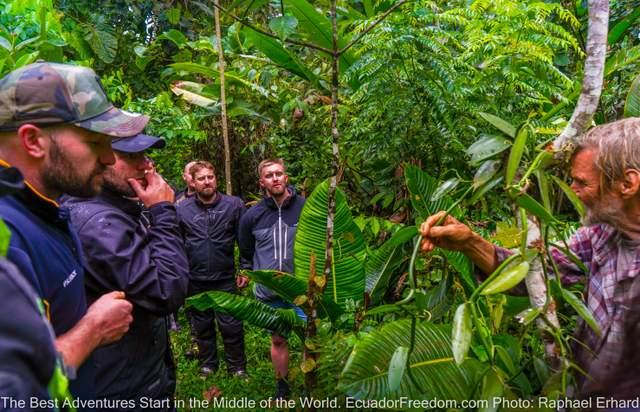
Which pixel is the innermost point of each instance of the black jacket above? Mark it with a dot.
(210, 232)
(266, 236)
(140, 252)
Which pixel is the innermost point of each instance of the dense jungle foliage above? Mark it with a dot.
(441, 105)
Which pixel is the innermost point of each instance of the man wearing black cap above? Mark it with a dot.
(56, 127)
(131, 242)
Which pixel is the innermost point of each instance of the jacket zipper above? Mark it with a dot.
(280, 248)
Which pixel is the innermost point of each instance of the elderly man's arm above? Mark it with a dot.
(453, 235)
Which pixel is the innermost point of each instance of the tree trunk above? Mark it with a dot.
(592, 81)
(223, 102)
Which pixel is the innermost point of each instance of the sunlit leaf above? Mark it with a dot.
(486, 147)
(462, 330)
(515, 155)
(509, 278)
(485, 172)
(500, 124)
(397, 367)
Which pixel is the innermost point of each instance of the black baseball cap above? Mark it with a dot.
(137, 143)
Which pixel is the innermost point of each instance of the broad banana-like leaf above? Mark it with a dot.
(431, 364)
(280, 56)
(632, 103)
(281, 321)
(347, 272)
(383, 263)
(421, 187)
(289, 288)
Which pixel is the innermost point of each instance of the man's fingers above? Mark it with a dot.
(430, 222)
(136, 186)
(427, 245)
(117, 294)
(441, 231)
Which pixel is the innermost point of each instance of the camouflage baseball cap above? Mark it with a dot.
(51, 93)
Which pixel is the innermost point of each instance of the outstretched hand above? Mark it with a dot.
(157, 189)
(450, 234)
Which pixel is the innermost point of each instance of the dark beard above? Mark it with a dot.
(60, 175)
(117, 185)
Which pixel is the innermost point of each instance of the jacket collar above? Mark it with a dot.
(36, 202)
(271, 203)
(129, 206)
(216, 200)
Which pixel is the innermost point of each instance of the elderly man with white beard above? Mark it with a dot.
(605, 173)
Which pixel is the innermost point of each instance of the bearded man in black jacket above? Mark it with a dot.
(209, 221)
(132, 242)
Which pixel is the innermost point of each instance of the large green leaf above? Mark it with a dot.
(175, 36)
(347, 273)
(103, 43)
(621, 27)
(382, 263)
(486, 147)
(290, 287)
(282, 57)
(283, 26)
(499, 123)
(257, 313)
(431, 364)
(421, 187)
(632, 102)
(317, 29)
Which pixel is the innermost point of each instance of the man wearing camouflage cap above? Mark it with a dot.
(56, 126)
